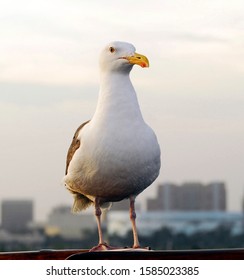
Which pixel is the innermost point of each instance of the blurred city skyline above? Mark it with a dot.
(167, 222)
(169, 197)
(192, 94)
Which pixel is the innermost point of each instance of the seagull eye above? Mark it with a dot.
(112, 49)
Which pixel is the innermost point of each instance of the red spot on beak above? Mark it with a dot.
(143, 65)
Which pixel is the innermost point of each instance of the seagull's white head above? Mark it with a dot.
(120, 57)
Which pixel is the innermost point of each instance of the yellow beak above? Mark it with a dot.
(138, 59)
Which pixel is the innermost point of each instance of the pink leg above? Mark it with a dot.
(133, 221)
(101, 244)
(98, 213)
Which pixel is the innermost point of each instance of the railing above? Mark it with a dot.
(83, 254)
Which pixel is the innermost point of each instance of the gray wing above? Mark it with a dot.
(75, 144)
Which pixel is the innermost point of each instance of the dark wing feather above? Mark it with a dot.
(75, 144)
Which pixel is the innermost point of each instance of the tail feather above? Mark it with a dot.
(81, 202)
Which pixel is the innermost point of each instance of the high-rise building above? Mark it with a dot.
(189, 197)
(16, 215)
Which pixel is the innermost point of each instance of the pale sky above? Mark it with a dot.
(192, 94)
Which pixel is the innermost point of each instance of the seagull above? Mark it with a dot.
(115, 155)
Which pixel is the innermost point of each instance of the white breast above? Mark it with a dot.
(119, 154)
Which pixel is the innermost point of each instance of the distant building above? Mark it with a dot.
(188, 222)
(17, 215)
(68, 225)
(189, 197)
